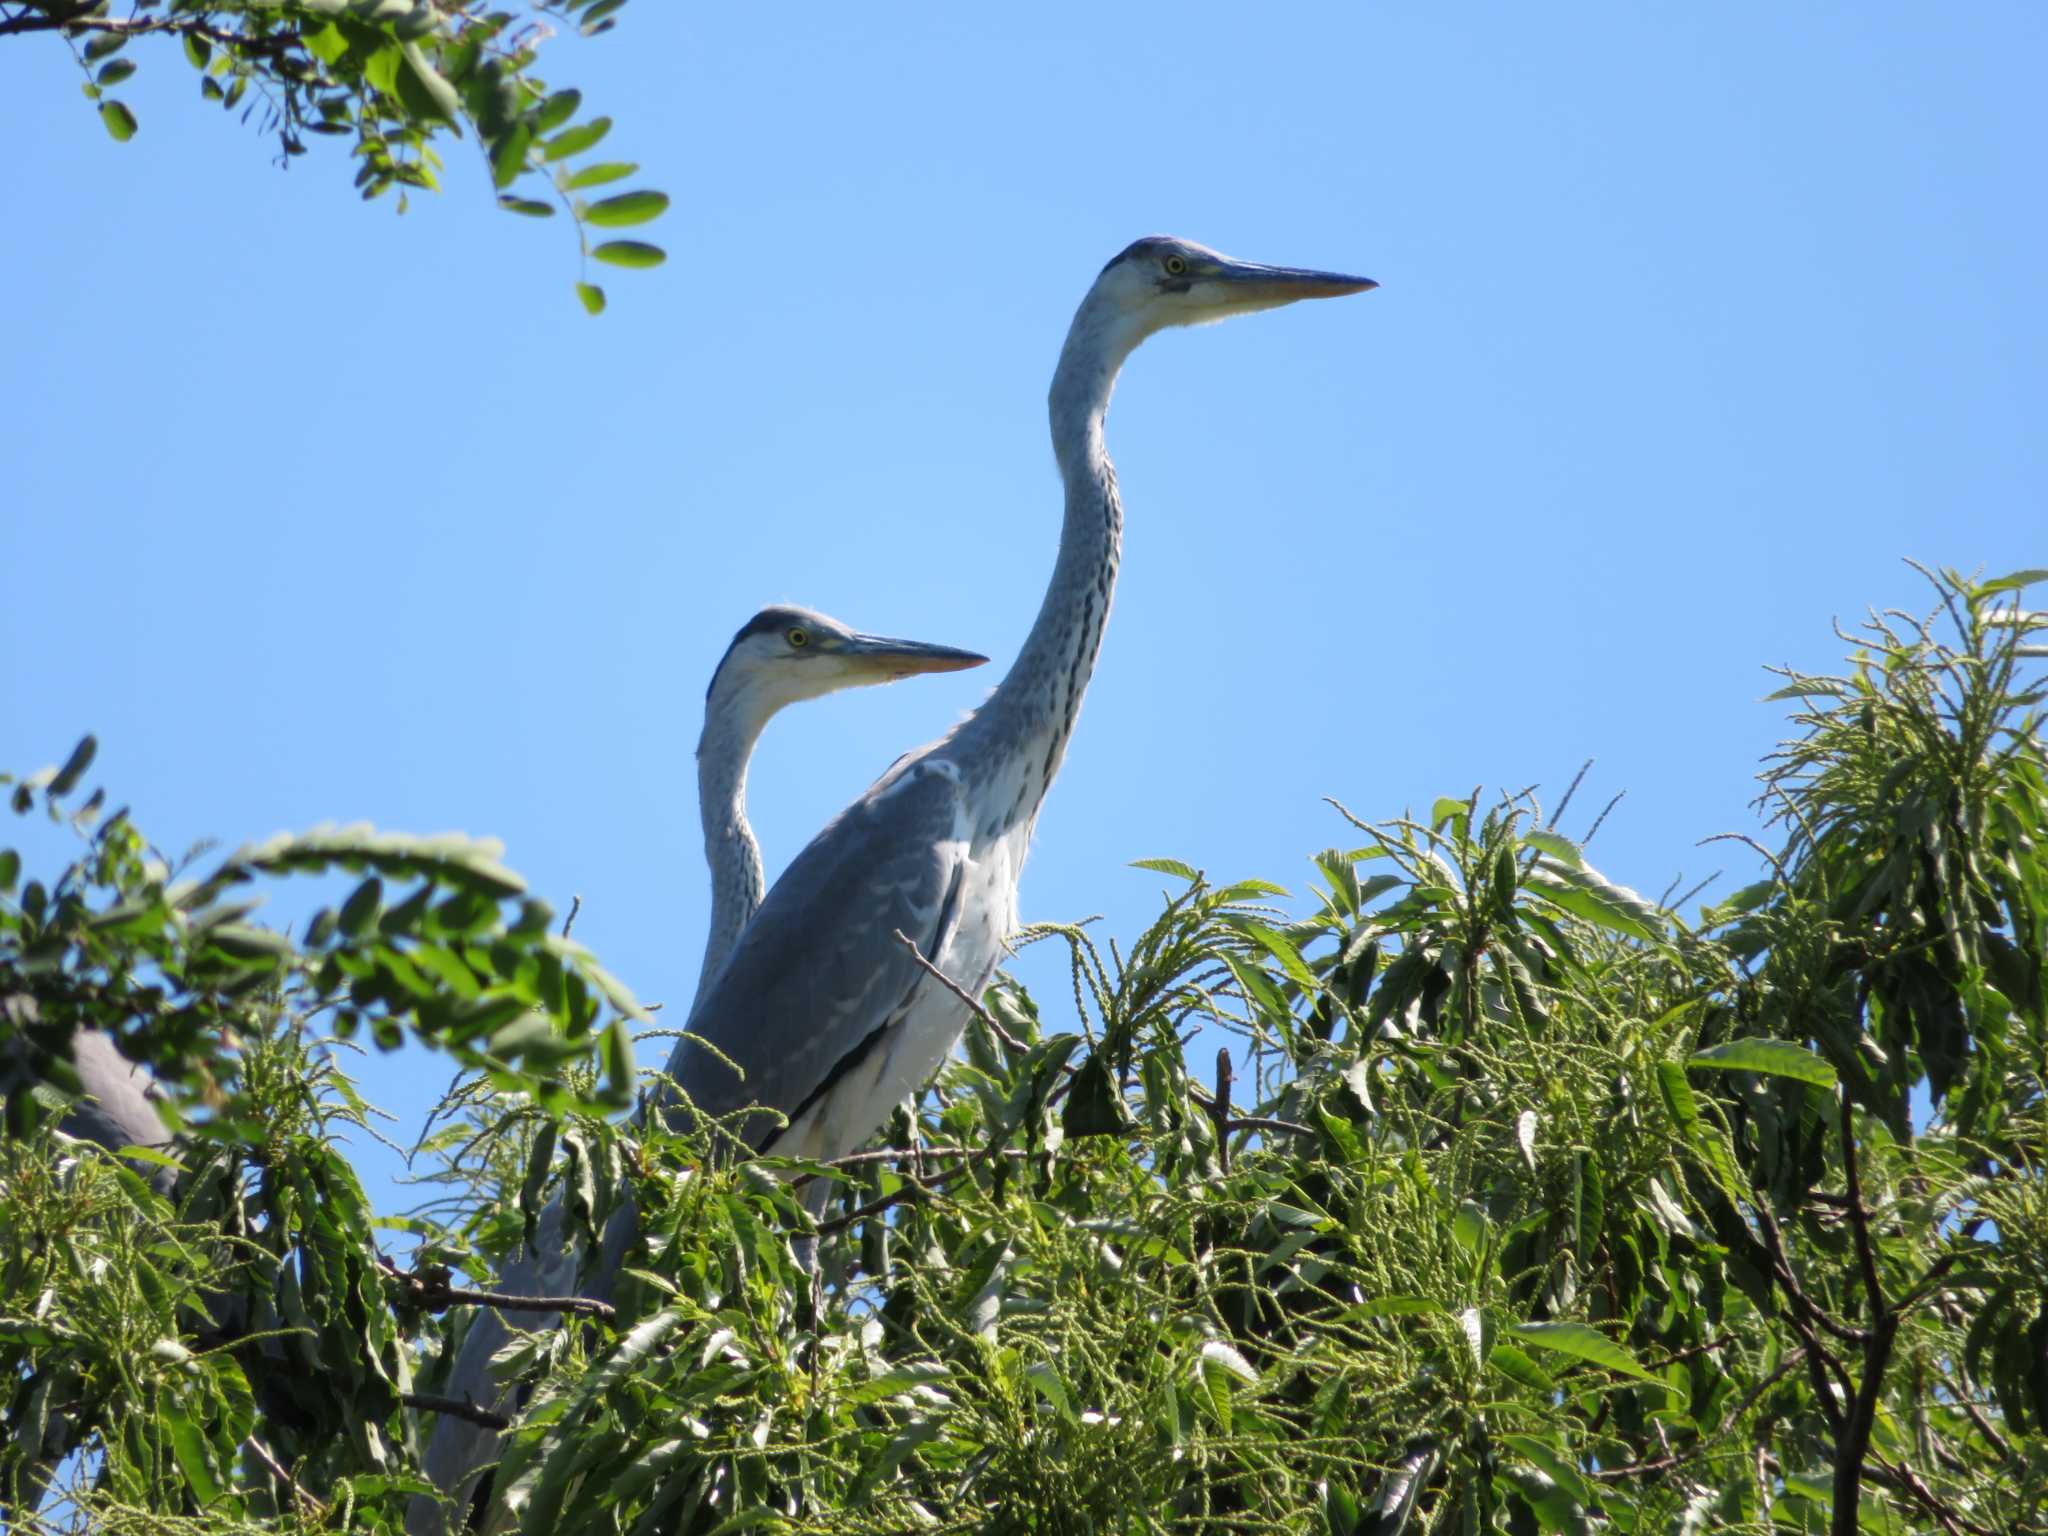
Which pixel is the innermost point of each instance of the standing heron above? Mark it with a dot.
(830, 1020)
(781, 656)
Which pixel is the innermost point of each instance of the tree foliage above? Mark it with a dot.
(1522, 1203)
(398, 78)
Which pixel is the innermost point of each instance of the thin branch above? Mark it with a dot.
(1597, 820)
(960, 992)
(1853, 1443)
(911, 1190)
(307, 1501)
(575, 906)
(455, 1408)
(1953, 1520)
(1570, 790)
(431, 1292)
(276, 45)
(899, 1154)
(1219, 1107)
(1728, 1421)
(1859, 1219)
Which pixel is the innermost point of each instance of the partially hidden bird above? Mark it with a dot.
(782, 656)
(822, 1019)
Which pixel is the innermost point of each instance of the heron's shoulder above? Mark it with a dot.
(926, 772)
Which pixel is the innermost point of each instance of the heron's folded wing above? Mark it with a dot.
(819, 972)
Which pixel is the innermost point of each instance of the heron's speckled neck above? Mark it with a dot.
(733, 720)
(1030, 716)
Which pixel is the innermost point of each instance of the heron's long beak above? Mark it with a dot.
(1254, 286)
(890, 659)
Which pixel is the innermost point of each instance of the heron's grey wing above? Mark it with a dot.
(119, 1109)
(819, 977)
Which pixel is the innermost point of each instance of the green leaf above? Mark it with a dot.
(1583, 893)
(438, 92)
(115, 73)
(625, 209)
(1518, 1367)
(189, 1446)
(1776, 1058)
(1278, 946)
(1394, 1306)
(325, 43)
(197, 49)
(361, 908)
(1093, 1106)
(10, 868)
(1216, 1351)
(556, 110)
(616, 1054)
(1562, 1471)
(573, 141)
(1562, 849)
(1525, 1136)
(532, 207)
(1584, 1343)
(2012, 581)
(381, 68)
(75, 765)
(119, 120)
(1677, 1095)
(508, 155)
(630, 253)
(592, 297)
(598, 175)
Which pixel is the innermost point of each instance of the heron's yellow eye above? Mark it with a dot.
(798, 638)
(1176, 265)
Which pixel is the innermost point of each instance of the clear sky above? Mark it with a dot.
(1693, 322)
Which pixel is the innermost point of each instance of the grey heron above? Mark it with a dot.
(781, 656)
(829, 1019)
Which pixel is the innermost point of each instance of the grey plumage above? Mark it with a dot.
(830, 1021)
(762, 672)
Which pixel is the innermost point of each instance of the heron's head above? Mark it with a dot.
(1161, 281)
(785, 654)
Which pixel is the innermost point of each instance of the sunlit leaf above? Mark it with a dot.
(1778, 1058)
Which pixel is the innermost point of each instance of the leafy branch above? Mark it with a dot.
(399, 77)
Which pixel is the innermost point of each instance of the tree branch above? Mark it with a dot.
(276, 1468)
(275, 45)
(455, 1408)
(431, 1292)
(1853, 1443)
(960, 992)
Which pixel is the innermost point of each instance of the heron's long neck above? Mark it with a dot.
(1026, 723)
(738, 882)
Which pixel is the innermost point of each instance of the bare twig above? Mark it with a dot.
(960, 992)
(911, 1190)
(1570, 790)
(1953, 1520)
(575, 906)
(1859, 1219)
(276, 46)
(430, 1291)
(1853, 1442)
(899, 1154)
(455, 1408)
(1597, 820)
(277, 1469)
(1219, 1107)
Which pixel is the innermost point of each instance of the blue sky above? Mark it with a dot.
(1693, 322)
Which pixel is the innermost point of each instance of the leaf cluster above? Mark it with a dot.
(1521, 1203)
(398, 78)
